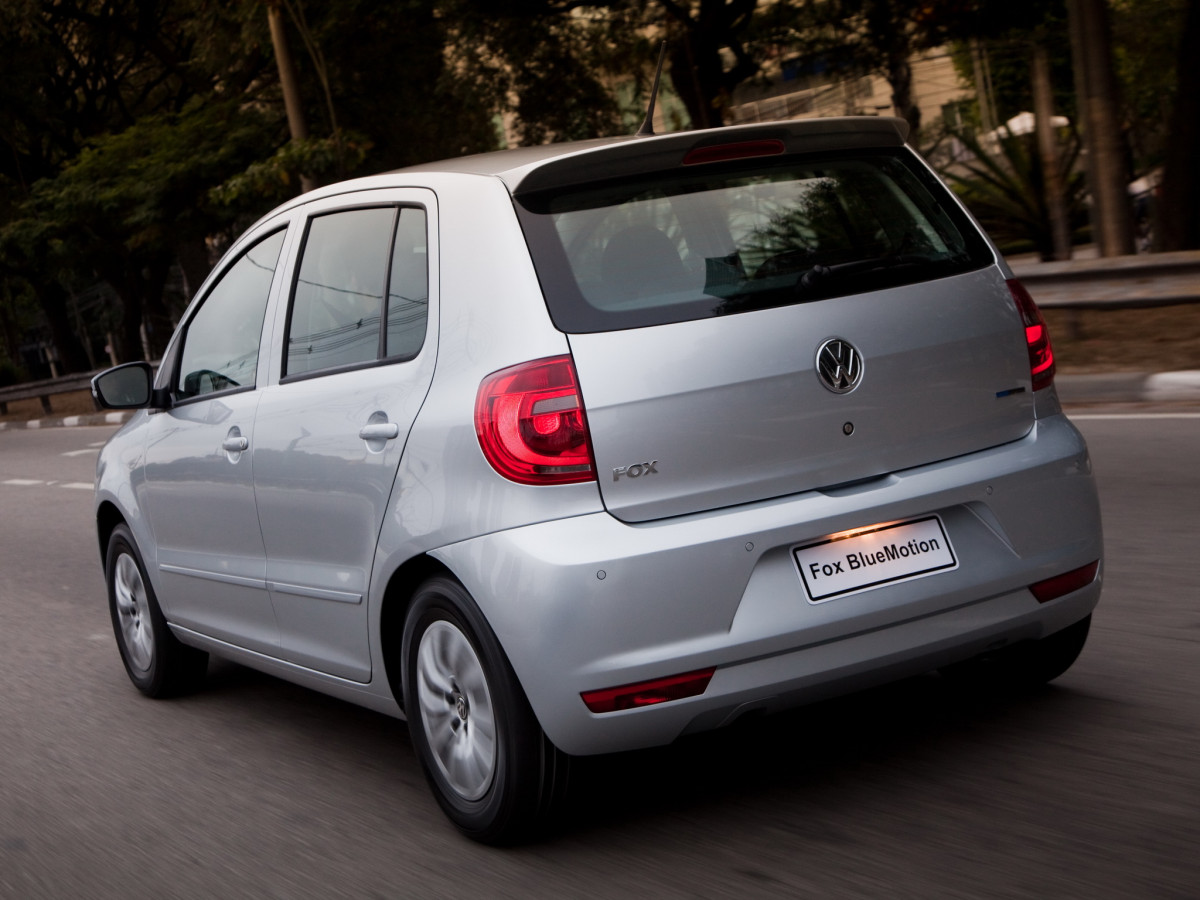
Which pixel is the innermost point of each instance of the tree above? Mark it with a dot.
(1179, 213)
(701, 32)
(867, 36)
(1095, 84)
(82, 72)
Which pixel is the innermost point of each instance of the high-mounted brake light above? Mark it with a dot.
(739, 150)
(531, 423)
(1037, 337)
(648, 693)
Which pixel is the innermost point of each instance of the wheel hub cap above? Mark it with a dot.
(133, 613)
(455, 705)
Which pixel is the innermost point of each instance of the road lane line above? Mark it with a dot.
(23, 482)
(1079, 417)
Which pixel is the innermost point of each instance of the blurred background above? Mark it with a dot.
(141, 136)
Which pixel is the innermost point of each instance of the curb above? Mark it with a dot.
(110, 418)
(1129, 387)
(1116, 387)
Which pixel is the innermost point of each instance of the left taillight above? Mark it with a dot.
(1037, 337)
(531, 423)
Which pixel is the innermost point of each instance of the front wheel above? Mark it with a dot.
(492, 770)
(157, 663)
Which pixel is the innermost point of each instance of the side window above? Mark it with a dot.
(220, 348)
(408, 291)
(339, 295)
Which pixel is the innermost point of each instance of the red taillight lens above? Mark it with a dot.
(647, 693)
(531, 423)
(1061, 585)
(1037, 337)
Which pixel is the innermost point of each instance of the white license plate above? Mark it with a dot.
(864, 559)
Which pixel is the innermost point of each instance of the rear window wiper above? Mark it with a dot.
(815, 277)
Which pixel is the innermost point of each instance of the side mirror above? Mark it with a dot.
(130, 386)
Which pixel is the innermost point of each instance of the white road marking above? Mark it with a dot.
(31, 482)
(82, 452)
(1095, 416)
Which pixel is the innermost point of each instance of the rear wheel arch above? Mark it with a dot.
(397, 598)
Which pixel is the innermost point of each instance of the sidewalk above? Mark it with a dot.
(1128, 387)
(1117, 387)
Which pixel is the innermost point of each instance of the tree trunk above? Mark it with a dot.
(698, 99)
(1091, 46)
(1052, 180)
(1179, 197)
(288, 82)
(899, 76)
(697, 64)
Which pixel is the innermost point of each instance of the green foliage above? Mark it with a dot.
(548, 72)
(148, 182)
(267, 182)
(1004, 188)
(1146, 47)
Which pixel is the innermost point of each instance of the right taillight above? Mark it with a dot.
(531, 423)
(1037, 337)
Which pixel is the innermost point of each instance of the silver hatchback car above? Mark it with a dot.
(581, 448)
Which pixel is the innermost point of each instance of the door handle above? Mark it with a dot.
(235, 444)
(379, 431)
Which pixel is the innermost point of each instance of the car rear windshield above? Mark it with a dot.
(728, 238)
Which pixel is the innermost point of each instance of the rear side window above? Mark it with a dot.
(726, 238)
(359, 268)
(338, 302)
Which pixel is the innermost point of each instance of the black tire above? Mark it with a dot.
(1028, 664)
(157, 663)
(492, 769)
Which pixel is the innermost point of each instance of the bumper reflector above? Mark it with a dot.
(647, 693)
(1060, 585)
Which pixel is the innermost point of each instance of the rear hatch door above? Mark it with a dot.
(715, 412)
(698, 298)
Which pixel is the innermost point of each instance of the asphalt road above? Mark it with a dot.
(254, 788)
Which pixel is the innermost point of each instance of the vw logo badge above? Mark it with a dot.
(839, 366)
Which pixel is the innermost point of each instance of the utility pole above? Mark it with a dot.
(289, 84)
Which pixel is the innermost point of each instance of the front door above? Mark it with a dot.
(199, 487)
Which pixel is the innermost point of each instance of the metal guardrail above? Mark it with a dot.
(44, 390)
(1119, 282)
(1116, 282)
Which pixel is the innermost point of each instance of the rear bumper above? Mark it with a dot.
(590, 602)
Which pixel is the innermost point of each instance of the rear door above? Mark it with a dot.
(352, 365)
(748, 330)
